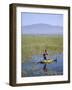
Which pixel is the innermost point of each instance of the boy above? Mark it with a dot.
(45, 58)
(44, 54)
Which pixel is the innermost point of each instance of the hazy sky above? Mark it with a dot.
(35, 18)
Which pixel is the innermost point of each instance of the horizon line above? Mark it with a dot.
(41, 23)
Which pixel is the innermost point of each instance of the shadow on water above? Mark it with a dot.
(32, 68)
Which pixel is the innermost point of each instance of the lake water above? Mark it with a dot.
(32, 68)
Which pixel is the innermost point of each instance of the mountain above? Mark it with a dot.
(42, 29)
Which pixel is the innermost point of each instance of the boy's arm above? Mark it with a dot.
(47, 53)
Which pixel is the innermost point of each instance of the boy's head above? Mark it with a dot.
(45, 50)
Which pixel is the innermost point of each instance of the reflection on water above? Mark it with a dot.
(32, 68)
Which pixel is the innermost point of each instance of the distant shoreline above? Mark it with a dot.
(43, 35)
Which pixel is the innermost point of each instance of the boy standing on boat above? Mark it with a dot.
(45, 58)
(45, 54)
